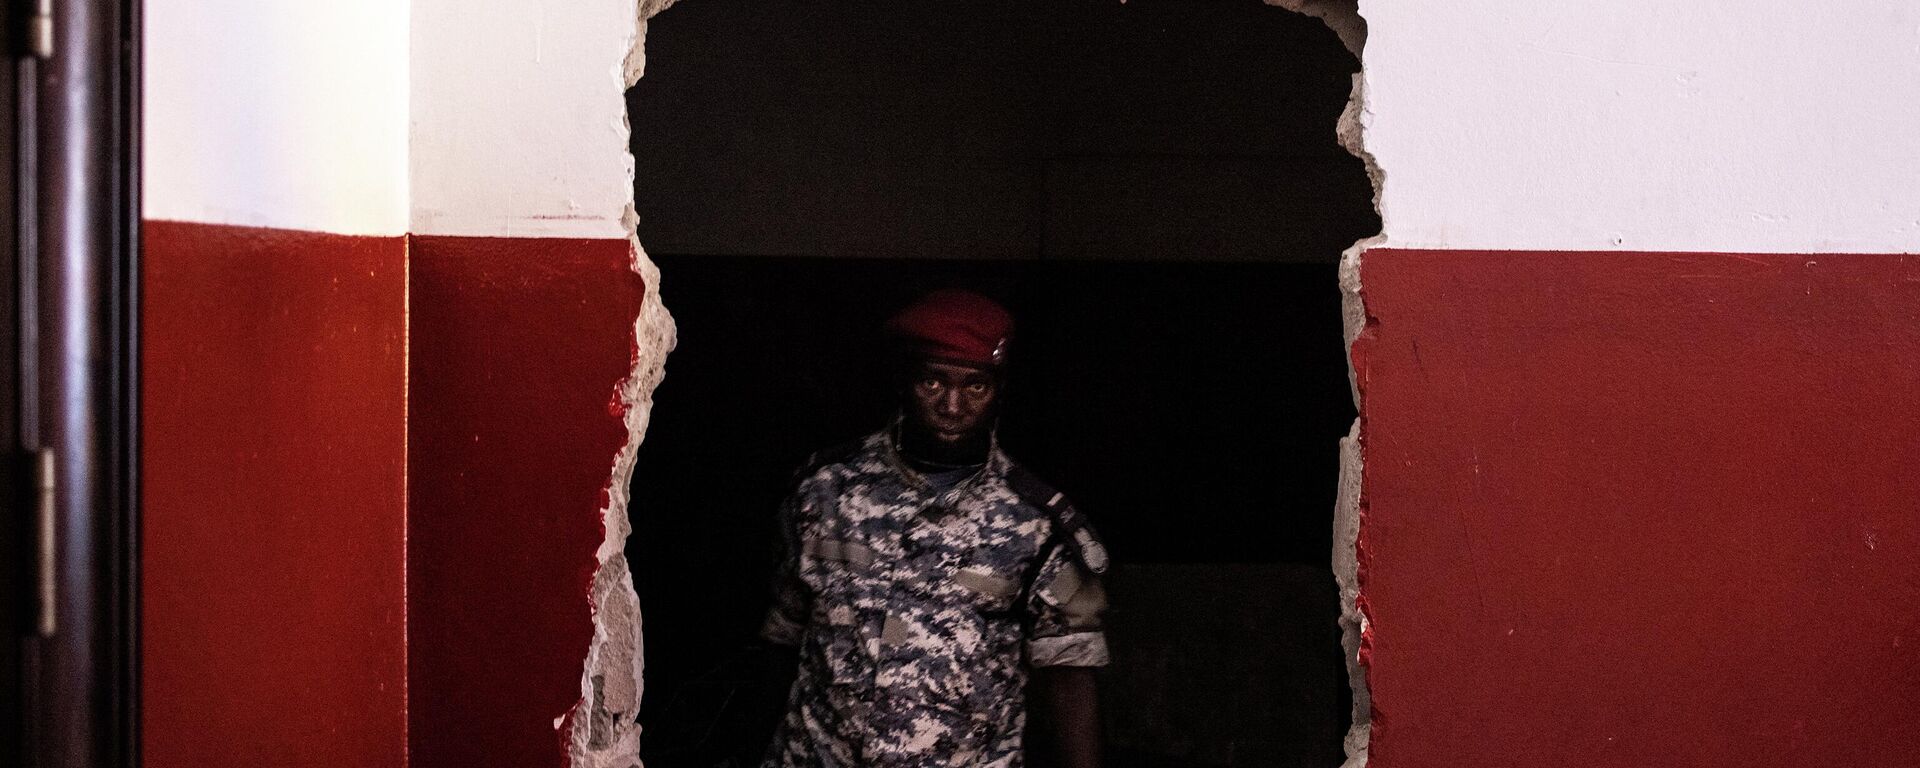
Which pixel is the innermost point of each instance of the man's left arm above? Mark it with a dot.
(1073, 707)
(1067, 645)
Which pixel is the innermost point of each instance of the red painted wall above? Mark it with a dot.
(1642, 509)
(518, 348)
(272, 582)
(374, 475)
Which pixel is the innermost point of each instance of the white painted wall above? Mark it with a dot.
(277, 113)
(478, 117)
(519, 117)
(1524, 124)
(1729, 125)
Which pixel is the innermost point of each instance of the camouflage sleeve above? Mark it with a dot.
(787, 619)
(1066, 601)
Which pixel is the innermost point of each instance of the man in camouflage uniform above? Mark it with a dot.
(927, 574)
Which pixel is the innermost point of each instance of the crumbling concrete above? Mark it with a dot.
(1350, 508)
(603, 730)
(635, 64)
(1343, 16)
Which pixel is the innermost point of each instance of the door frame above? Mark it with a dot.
(73, 499)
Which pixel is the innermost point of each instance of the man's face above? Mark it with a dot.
(953, 402)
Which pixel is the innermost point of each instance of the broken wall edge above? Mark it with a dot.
(602, 730)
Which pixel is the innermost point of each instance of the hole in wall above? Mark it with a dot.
(1154, 188)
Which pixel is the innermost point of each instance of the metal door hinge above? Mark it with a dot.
(46, 482)
(40, 29)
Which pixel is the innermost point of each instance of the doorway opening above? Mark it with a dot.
(1156, 191)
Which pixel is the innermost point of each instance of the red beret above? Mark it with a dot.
(955, 326)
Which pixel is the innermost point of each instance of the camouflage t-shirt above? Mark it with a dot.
(918, 612)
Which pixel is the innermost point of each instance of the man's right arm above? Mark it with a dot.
(787, 617)
(776, 659)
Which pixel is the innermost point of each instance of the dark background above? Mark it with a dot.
(1153, 188)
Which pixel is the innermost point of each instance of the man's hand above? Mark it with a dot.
(1073, 709)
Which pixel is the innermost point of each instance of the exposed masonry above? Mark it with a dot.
(601, 729)
(1343, 16)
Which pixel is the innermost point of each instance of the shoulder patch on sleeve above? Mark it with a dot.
(1069, 524)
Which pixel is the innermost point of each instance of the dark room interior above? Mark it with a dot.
(1153, 188)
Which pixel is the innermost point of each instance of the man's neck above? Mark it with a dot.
(926, 453)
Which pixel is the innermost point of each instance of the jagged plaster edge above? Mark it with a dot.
(1345, 19)
(602, 730)
(609, 737)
